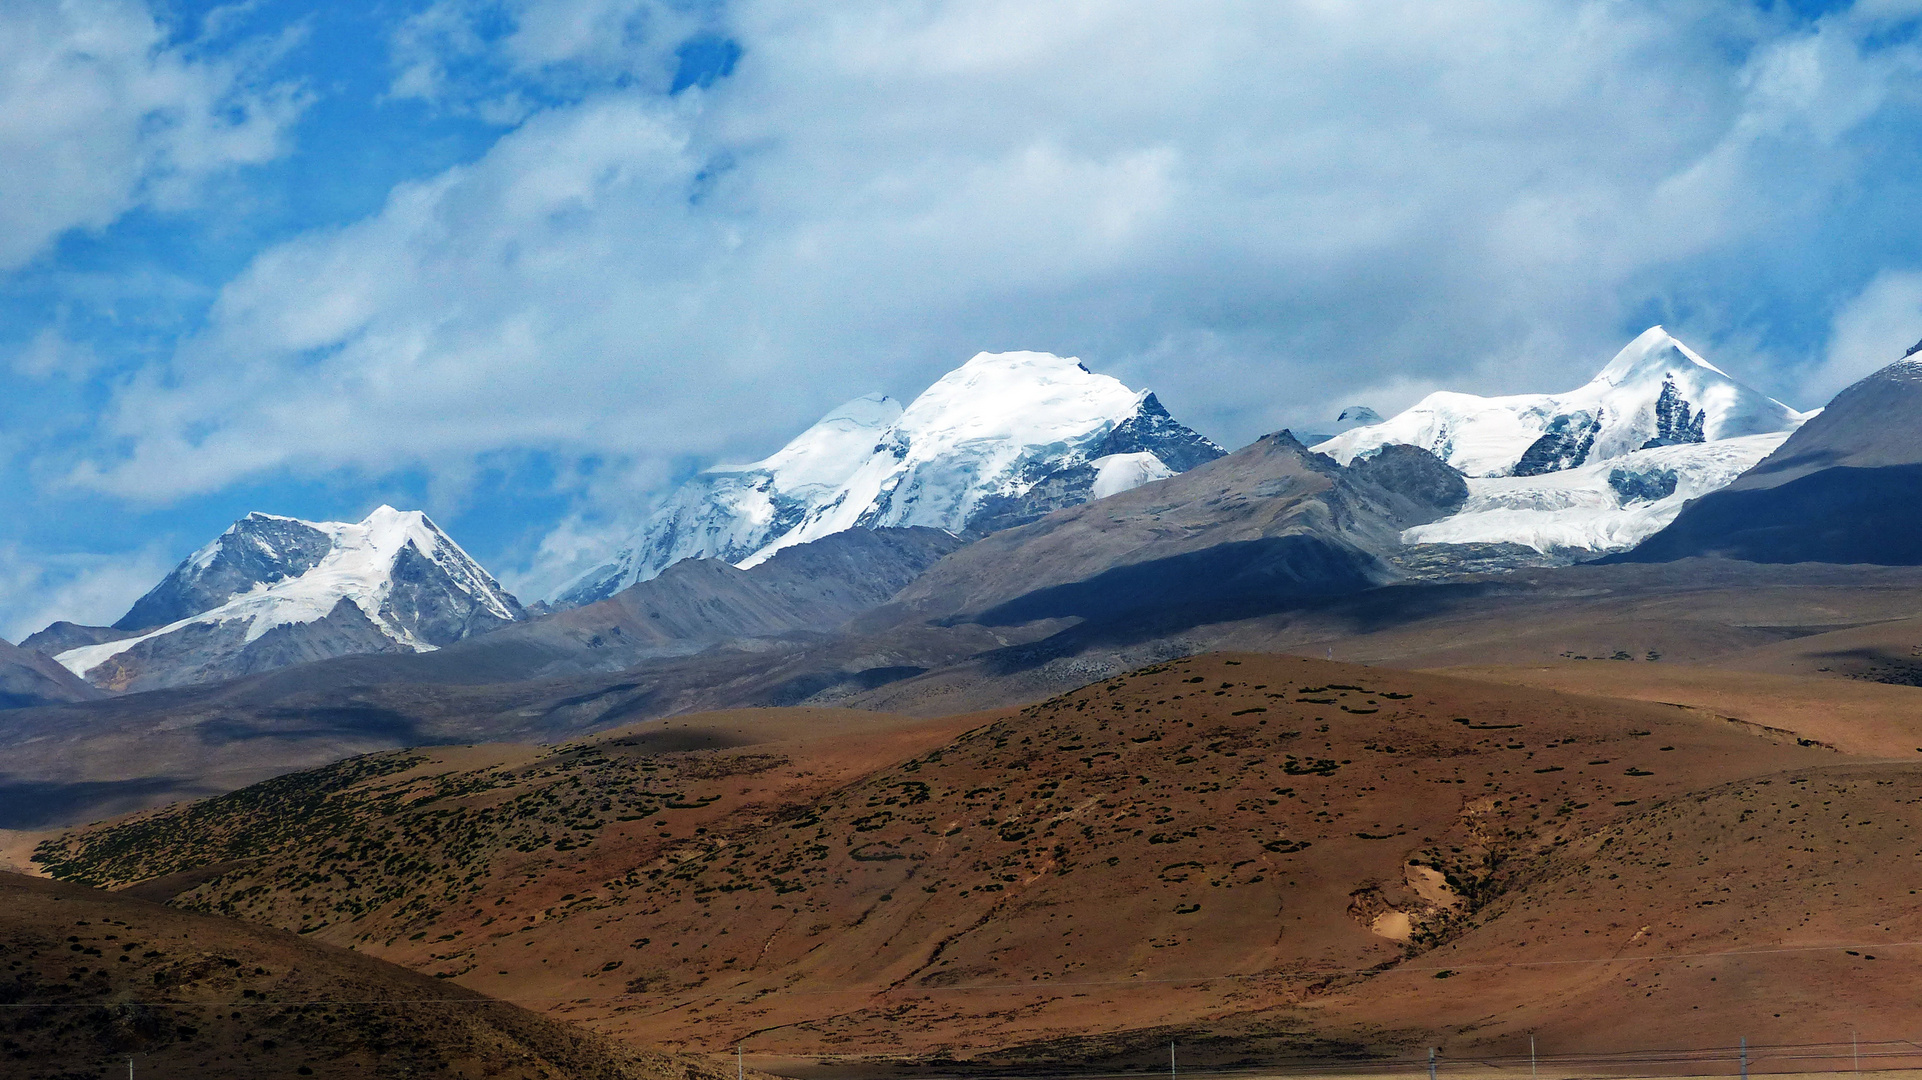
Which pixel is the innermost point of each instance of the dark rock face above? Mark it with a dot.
(698, 603)
(1151, 429)
(258, 549)
(1674, 423)
(1055, 487)
(1223, 577)
(1056, 490)
(1564, 445)
(1643, 487)
(432, 605)
(1271, 525)
(1839, 515)
(64, 635)
(27, 679)
(1416, 475)
(847, 573)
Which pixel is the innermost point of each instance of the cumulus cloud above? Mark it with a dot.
(1265, 211)
(101, 112)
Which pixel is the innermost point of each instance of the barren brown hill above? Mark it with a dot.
(93, 979)
(1856, 716)
(1698, 611)
(1782, 909)
(1887, 651)
(1222, 844)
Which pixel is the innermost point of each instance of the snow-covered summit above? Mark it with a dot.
(820, 456)
(999, 440)
(1599, 468)
(1655, 392)
(401, 578)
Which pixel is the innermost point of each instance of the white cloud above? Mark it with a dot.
(447, 56)
(1262, 210)
(1870, 332)
(99, 113)
(94, 590)
(52, 354)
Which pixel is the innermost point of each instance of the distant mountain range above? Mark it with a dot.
(1269, 523)
(1023, 487)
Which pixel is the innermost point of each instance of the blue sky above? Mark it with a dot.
(524, 264)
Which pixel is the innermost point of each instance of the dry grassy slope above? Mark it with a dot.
(91, 978)
(1886, 652)
(1784, 909)
(1094, 864)
(1857, 717)
(371, 851)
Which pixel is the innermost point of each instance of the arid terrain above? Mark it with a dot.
(1258, 855)
(94, 980)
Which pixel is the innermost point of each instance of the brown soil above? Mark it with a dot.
(1260, 855)
(1857, 717)
(92, 979)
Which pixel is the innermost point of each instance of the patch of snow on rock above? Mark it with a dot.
(1117, 473)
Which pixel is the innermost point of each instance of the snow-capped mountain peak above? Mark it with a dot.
(1653, 356)
(1655, 392)
(404, 580)
(1593, 469)
(1012, 399)
(999, 440)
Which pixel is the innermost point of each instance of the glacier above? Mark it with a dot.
(1609, 505)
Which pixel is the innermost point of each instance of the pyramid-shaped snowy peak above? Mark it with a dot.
(273, 590)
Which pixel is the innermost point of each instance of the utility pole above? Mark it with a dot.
(1855, 1048)
(740, 1068)
(1431, 1063)
(1532, 1074)
(1745, 1057)
(1171, 1059)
